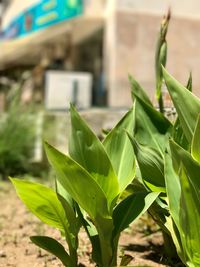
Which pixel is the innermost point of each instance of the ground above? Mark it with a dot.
(17, 224)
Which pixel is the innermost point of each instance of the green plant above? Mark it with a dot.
(91, 181)
(55, 208)
(171, 168)
(161, 58)
(150, 139)
(17, 138)
(182, 174)
(93, 177)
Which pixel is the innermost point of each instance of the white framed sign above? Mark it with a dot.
(63, 87)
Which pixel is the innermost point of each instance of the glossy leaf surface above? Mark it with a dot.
(87, 150)
(42, 202)
(182, 157)
(190, 217)
(151, 164)
(131, 208)
(119, 150)
(173, 189)
(189, 214)
(78, 183)
(138, 92)
(195, 148)
(151, 128)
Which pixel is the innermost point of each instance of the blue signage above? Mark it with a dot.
(42, 15)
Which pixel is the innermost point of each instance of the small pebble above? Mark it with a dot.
(2, 254)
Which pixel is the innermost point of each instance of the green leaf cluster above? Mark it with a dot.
(17, 139)
(90, 182)
(168, 156)
(162, 156)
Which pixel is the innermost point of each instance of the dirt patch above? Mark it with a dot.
(17, 224)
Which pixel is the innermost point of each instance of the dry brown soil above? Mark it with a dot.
(17, 224)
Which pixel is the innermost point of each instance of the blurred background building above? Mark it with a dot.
(95, 43)
(53, 52)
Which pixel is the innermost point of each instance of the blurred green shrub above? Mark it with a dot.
(17, 134)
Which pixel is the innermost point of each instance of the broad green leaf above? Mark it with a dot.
(60, 190)
(105, 229)
(87, 193)
(42, 202)
(181, 156)
(135, 187)
(187, 105)
(178, 134)
(151, 164)
(190, 216)
(119, 150)
(195, 149)
(52, 246)
(161, 123)
(78, 183)
(160, 213)
(138, 92)
(189, 171)
(151, 128)
(131, 208)
(174, 233)
(87, 150)
(173, 189)
(158, 210)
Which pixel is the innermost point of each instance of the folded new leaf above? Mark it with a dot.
(151, 165)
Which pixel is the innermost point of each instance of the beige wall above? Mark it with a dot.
(134, 36)
(186, 8)
(94, 8)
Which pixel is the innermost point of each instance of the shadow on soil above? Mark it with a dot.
(154, 253)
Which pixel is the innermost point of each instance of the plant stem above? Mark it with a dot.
(72, 249)
(169, 246)
(160, 103)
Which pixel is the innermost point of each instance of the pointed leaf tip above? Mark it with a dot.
(87, 150)
(187, 104)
